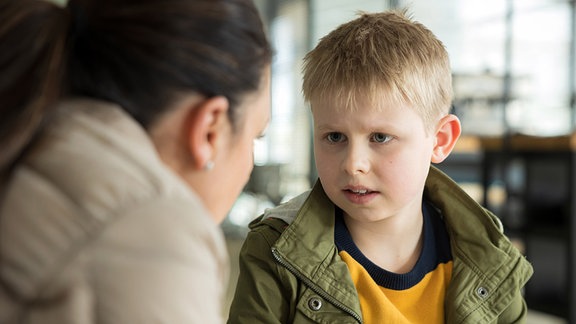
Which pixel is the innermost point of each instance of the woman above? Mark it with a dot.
(126, 131)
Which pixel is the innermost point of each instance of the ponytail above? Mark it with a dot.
(33, 36)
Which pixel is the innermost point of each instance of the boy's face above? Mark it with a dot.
(372, 162)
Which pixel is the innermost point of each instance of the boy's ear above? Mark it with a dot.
(447, 133)
(206, 122)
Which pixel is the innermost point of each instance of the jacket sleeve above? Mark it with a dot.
(264, 289)
(516, 312)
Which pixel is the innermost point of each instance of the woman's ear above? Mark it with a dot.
(447, 134)
(206, 123)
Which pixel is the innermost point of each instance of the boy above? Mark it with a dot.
(383, 237)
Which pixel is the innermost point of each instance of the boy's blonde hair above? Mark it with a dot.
(381, 56)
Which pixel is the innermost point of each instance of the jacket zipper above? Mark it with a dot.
(314, 288)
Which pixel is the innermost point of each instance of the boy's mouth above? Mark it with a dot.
(360, 191)
(359, 195)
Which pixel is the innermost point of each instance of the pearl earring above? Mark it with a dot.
(209, 165)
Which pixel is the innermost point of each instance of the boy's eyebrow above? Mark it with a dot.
(323, 126)
(384, 128)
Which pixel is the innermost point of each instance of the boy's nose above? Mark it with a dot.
(356, 161)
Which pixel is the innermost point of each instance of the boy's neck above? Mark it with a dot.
(393, 244)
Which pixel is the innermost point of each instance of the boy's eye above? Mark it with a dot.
(335, 137)
(381, 138)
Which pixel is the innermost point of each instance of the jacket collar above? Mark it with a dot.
(470, 225)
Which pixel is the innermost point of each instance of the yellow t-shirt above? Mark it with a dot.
(413, 297)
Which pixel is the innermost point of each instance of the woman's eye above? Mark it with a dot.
(381, 138)
(335, 137)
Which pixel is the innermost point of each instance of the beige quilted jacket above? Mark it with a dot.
(95, 229)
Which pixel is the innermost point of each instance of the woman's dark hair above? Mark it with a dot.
(32, 52)
(140, 54)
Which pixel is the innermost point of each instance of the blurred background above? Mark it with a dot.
(513, 65)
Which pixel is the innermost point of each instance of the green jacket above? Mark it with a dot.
(293, 273)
